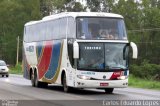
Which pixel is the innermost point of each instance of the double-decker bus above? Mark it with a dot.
(78, 50)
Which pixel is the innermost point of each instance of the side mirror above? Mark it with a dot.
(75, 50)
(134, 49)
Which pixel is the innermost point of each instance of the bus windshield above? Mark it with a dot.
(101, 28)
(103, 56)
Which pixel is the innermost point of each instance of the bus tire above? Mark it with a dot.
(32, 79)
(65, 87)
(109, 90)
(37, 83)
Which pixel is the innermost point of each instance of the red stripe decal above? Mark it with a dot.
(115, 75)
(45, 60)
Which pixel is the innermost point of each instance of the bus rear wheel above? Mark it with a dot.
(109, 90)
(36, 83)
(33, 79)
(66, 88)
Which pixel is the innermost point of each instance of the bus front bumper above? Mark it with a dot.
(101, 83)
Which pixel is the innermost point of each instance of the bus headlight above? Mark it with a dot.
(122, 77)
(83, 77)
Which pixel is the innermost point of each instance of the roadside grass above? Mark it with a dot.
(143, 83)
(16, 69)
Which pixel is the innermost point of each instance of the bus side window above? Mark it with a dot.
(55, 34)
(26, 34)
(48, 31)
(63, 26)
(38, 32)
(43, 31)
(71, 28)
(29, 34)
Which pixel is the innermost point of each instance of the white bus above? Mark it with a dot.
(77, 50)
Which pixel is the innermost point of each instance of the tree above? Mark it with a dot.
(46, 7)
(76, 7)
(57, 6)
(100, 5)
(14, 14)
(94, 5)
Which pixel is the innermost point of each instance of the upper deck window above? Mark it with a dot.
(101, 28)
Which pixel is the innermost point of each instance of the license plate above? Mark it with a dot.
(104, 84)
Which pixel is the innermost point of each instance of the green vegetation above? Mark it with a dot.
(14, 14)
(143, 83)
(16, 69)
(146, 70)
(145, 75)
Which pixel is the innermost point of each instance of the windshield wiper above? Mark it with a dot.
(116, 68)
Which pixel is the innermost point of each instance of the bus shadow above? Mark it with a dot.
(79, 91)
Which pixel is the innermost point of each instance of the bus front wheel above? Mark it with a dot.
(66, 88)
(109, 90)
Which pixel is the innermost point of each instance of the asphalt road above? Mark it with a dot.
(17, 91)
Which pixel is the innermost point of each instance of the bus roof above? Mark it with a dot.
(74, 15)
